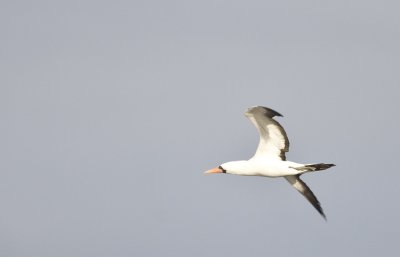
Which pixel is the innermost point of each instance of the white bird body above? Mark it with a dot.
(262, 167)
(270, 159)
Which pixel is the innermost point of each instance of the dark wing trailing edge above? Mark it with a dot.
(274, 141)
(300, 186)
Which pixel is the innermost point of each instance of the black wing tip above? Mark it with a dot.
(317, 205)
(271, 113)
(321, 211)
(309, 195)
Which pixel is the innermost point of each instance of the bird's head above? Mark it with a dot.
(236, 167)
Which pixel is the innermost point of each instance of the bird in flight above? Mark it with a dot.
(270, 159)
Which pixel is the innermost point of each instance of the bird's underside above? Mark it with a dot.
(270, 157)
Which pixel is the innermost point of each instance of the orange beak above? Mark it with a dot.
(215, 170)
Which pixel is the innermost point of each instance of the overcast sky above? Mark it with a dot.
(112, 110)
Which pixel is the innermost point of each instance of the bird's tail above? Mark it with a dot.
(314, 167)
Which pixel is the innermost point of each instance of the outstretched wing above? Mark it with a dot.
(274, 142)
(300, 186)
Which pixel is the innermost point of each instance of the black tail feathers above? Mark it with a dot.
(320, 166)
(315, 167)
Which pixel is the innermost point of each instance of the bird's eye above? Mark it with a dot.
(223, 170)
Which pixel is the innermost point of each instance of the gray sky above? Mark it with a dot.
(111, 111)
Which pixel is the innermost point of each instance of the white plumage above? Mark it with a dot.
(270, 157)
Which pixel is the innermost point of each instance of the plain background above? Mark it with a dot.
(112, 110)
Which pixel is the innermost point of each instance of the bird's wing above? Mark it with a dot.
(274, 142)
(300, 186)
